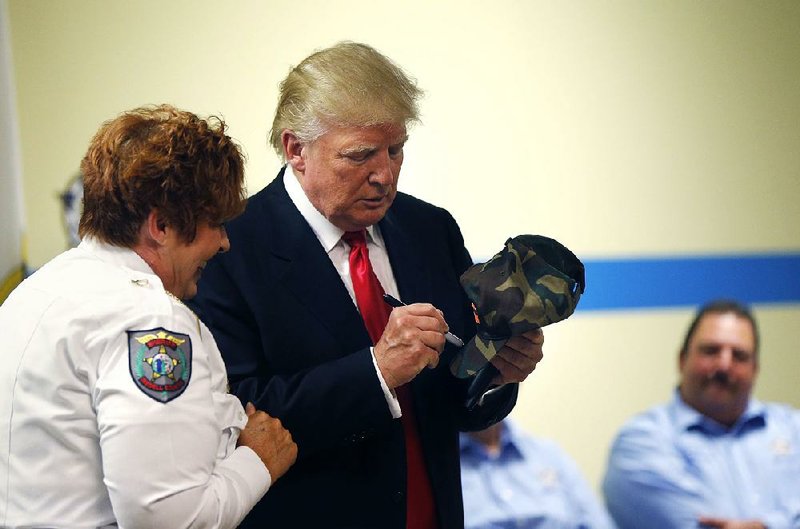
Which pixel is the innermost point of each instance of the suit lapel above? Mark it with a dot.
(307, 272)
(407, 259)
(414, 284)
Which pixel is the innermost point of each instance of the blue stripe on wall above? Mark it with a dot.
(617, 284)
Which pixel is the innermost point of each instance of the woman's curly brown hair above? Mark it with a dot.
(162, 158)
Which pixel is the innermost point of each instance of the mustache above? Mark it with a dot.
(720, 377)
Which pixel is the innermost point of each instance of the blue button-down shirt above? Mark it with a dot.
(530, 484)
(671, 464)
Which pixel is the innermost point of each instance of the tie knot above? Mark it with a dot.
(355, 238)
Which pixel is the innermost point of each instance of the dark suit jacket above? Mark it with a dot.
(295, 345)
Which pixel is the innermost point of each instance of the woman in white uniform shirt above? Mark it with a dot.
(113, 401)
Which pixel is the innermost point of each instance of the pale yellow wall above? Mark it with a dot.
(618, 127)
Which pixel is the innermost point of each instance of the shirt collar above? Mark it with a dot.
(687, 418)
(328, 234)
(118, 255)
(509, 442)
(122, 257)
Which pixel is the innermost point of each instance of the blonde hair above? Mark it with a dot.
(349, 84)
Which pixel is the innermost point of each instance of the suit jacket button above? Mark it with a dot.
(398, 496)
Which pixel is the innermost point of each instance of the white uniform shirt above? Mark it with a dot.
(97, 427)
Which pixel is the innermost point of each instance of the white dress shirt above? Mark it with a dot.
(81, 443)
(330, 237)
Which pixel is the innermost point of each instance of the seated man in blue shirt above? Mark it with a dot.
(511, 479)
(713, 456)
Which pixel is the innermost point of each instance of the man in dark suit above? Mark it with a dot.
(284, 303)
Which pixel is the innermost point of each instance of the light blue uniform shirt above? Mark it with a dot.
(671, 464)
(530, 484)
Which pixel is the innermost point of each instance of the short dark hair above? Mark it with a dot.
(721, 306)
(159, 157)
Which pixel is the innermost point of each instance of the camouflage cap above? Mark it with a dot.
(532, 282)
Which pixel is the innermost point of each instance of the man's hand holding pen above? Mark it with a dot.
(413, 339)
(448, 336)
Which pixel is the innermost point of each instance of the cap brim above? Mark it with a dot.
(473, 356)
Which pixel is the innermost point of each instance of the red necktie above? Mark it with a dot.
(420, 511)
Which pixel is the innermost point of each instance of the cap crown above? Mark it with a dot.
(532, 282)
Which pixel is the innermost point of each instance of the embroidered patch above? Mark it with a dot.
(160, 362)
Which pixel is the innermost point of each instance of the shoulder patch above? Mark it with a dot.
(160, 362)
